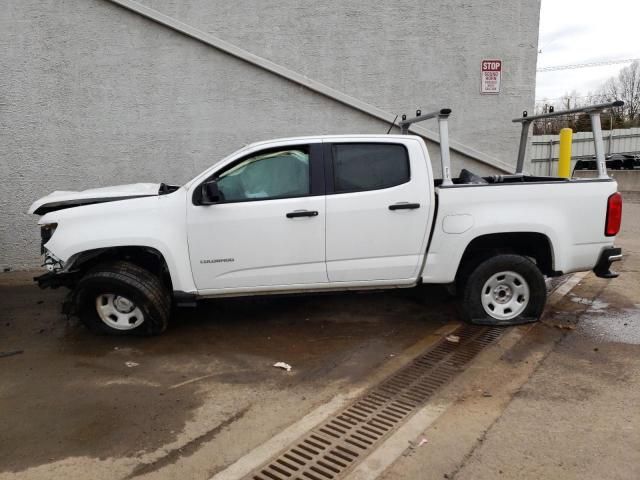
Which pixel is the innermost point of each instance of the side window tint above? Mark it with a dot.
(369, 166)
(276, 174)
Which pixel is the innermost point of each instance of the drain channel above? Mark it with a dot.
(332, 448)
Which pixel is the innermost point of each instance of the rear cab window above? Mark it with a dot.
(368, 166)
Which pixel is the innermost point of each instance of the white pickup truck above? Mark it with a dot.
(322, 213)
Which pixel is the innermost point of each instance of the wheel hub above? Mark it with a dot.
(505, 295)
(502, 294)
(118, 312)
(123, 305)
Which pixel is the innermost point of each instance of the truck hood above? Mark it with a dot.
(61, 199)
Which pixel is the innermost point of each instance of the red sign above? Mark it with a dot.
(491, 72)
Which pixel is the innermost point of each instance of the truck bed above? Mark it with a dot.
(569, 213)
(515, 179)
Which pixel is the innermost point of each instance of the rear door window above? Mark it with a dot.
(369, 166)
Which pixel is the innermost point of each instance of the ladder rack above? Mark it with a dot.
(443, 117)
(594, 112)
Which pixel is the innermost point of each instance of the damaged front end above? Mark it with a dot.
(57, 274)
(50, 261)
(56, 279)
(60, 278)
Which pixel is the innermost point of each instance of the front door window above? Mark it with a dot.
(278, 174)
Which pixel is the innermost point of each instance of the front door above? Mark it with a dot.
(268, 228)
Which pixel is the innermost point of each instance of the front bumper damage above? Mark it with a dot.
(56, 279)
(51, 262)
(58, 272)
(61, 278)
(607, 257)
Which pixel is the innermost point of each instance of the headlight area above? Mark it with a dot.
(51, 262)
(46, 232)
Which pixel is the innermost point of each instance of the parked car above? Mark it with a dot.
(317, 214)
(617, 161)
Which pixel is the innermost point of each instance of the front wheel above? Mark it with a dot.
(504, 290)
(120, 298)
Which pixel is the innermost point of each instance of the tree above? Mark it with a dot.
(626, 87)
(577, 122)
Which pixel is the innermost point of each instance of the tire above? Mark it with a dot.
(504, 290)
(120, 298)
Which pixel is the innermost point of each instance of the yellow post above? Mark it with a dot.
(564, 159)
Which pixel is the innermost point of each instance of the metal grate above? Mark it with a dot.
(331, 449)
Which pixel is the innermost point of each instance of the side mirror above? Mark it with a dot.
(210, 193)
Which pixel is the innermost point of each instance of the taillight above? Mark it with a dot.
(614, 215)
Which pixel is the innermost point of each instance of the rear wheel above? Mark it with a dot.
(121, 298)
(504, 290)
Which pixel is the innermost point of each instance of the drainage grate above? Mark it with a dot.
(331, 449)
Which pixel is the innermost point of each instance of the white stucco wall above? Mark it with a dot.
(92, 94)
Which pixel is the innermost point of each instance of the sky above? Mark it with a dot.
(584, 31)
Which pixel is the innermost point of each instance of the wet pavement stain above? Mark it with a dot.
(617, 325)
(74, 394)
(173, 455)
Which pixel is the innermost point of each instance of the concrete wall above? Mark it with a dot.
(92, 94)
(628, 180)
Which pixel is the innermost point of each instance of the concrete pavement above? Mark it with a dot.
(563, 403)
(190, 402)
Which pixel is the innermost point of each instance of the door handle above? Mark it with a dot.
(302, 213)
(404, 206)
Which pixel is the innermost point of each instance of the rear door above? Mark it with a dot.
(377, 210)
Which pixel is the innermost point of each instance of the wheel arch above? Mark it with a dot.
(534, 245)
(149, 258)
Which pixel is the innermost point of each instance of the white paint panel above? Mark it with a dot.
(267, 248)
(155, 222)
(457, 223)
(570, 214)
(366, 240)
